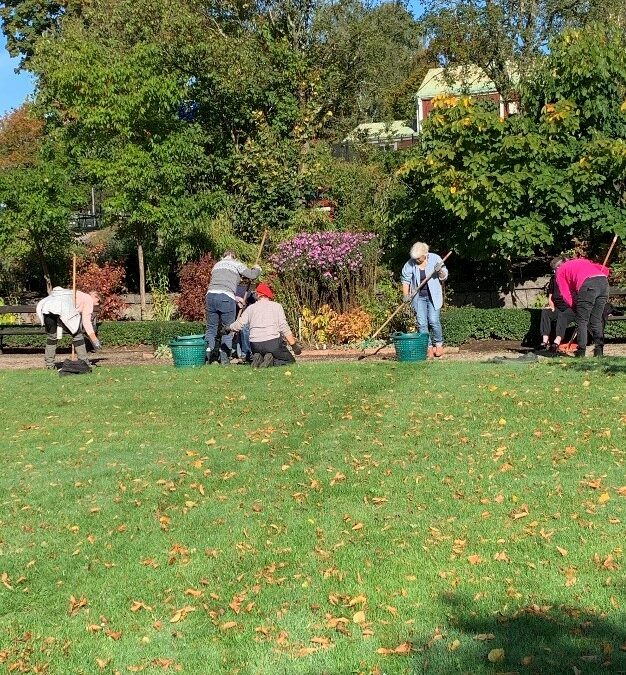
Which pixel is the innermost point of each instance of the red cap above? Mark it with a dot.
(264, 290)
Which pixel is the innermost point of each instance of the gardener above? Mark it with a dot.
(557, 312)
(58, 312)
(269, 331)
(584, 286)
(428, 301)
(221, 306)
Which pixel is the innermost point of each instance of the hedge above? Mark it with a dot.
(460, 325)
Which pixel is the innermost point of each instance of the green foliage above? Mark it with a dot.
(463, 324)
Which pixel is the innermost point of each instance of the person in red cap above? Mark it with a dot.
(269, 330)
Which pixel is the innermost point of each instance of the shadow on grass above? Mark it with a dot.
(537, 638)
(606, 365)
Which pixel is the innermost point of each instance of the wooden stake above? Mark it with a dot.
(74, 296)
(256, 262)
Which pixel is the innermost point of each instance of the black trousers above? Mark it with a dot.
(562, 318)
(590, 301)
(277, 348)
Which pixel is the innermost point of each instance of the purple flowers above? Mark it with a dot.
(329, 254)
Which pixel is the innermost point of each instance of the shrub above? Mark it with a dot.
(315, 327)
(92, 274)
(327, 268)
(194, 281)
(162, 305)
(349, 327)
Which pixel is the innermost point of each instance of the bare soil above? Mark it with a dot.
(28, 358)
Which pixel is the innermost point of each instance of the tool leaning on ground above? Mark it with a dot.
(399, 308)
(256, 264)
(604, 264)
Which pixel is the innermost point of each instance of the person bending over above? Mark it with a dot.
(221, 306)
(58, 312)
(584, 286)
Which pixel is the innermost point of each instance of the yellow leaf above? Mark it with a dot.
(228, 625)
(562, 551)
(357, 526)
(474, 559)
(496, 656)
(454, 645)
(483, 637)
(603, 498)
(180, 614)
(502, 422)
(359, 617)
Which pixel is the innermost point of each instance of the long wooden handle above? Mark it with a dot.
(417, 290)
(258, 255)
(608, 253)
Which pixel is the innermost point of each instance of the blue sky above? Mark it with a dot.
(15, 87)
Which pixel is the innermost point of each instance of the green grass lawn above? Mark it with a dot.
(470, 517)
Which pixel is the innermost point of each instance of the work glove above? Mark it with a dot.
(406, 297)
(438, 267)
(96, 344)
(257, 267)
(297, 348)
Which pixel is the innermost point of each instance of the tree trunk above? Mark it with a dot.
(511, 280)
(142, 279)
(45, 268)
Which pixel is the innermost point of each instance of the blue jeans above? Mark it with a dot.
(220, 309)
(243, 343)
(427, 316)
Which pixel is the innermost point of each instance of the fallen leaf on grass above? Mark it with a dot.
(113, 634)
(5, 581)
(228, 625)
(483, 637)
(604, 498)
(306, 651)
(194, 592)
(103, 663)
(323, 642)
(139, 604)
(359, 617)
(454, 645)
(75, 604)
(562, 551)
(502, 557)
(181, 614)
(404, 648)
(496, 656)
(474, 559)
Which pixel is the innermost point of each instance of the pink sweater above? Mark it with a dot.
(84, 304)
(572, 274)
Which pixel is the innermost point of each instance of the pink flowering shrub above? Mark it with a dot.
(327, 268)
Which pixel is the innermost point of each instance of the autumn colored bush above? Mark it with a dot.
(349, 327)
(106, 277)
(194, 280)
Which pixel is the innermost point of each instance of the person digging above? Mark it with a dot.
(58, 312)
(269, 331)
(584, 286)
(221, 305)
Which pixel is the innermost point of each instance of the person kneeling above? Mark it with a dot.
(269, 331)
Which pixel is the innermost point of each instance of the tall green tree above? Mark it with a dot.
(36, 195)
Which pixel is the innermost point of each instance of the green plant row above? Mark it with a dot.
(123, 333)
(460, 326)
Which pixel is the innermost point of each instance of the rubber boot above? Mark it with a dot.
(598, 351)
(81, 350)
(580, 353)
(50, 352)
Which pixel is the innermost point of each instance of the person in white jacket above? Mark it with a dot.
(58, 312)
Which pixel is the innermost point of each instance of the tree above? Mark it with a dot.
(512, 188)
(36, 197)
(503, 37)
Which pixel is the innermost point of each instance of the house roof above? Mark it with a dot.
(389, 130)
(462, 80)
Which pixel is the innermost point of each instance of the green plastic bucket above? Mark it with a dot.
(188, 351)
(411, 346)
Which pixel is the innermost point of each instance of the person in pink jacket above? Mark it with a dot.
(584, 286)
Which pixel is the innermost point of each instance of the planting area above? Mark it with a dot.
(329, 518)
